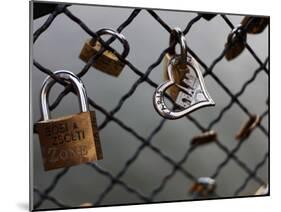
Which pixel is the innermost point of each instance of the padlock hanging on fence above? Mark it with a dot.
(236, 40)
(248, 127)
(254, 25)
(108, 62)
(184, 82)
(203, 187)
(72, 139)
(179, 70)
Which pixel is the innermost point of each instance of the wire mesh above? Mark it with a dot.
(145, 142)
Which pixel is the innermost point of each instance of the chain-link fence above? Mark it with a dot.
(143, 77)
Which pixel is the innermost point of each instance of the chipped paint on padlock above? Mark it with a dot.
(68, 140)
(107, 62)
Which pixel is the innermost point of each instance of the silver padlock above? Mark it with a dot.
(191, 93)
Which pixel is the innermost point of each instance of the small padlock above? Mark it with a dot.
(203, 187)
(235, 44)
(179, 70)
(108, 62)
(72, 139)
(254, 24)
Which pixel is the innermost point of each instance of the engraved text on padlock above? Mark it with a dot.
(192, 95)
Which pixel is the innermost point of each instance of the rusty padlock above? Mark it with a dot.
(179, 70)
(72, 139)
(108, 62)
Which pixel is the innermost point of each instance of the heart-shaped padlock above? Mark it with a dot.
(193, 93)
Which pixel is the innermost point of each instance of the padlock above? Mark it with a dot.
(69, 140)
(254, 24)
(247, 128)
(191, 90)
(179, 69)
(204, 138)
(203, 187)
(108, 62)
(235, 42)
(262, 190)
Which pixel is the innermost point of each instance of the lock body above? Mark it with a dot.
(235, 44)
(108, 62)
(183, 80)
(255, 24)
(178, 74)
(69, 140)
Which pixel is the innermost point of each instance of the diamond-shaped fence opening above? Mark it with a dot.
(170, 164)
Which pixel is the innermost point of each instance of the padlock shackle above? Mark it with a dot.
(237, 31)
(177, 36)
(117, 35)
(68, 77)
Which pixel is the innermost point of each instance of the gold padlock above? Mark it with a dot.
(179, 70)
(108, 62)
(72, 139)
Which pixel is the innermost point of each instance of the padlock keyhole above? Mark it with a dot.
(184, 100)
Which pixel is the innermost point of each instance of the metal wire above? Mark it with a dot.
(176, 166)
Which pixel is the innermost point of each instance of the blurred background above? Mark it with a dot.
(59, 47)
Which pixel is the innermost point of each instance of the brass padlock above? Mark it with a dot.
(72, 139)
(179, 70)
(108, 62)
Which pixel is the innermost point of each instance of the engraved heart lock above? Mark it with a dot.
(193, 93)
